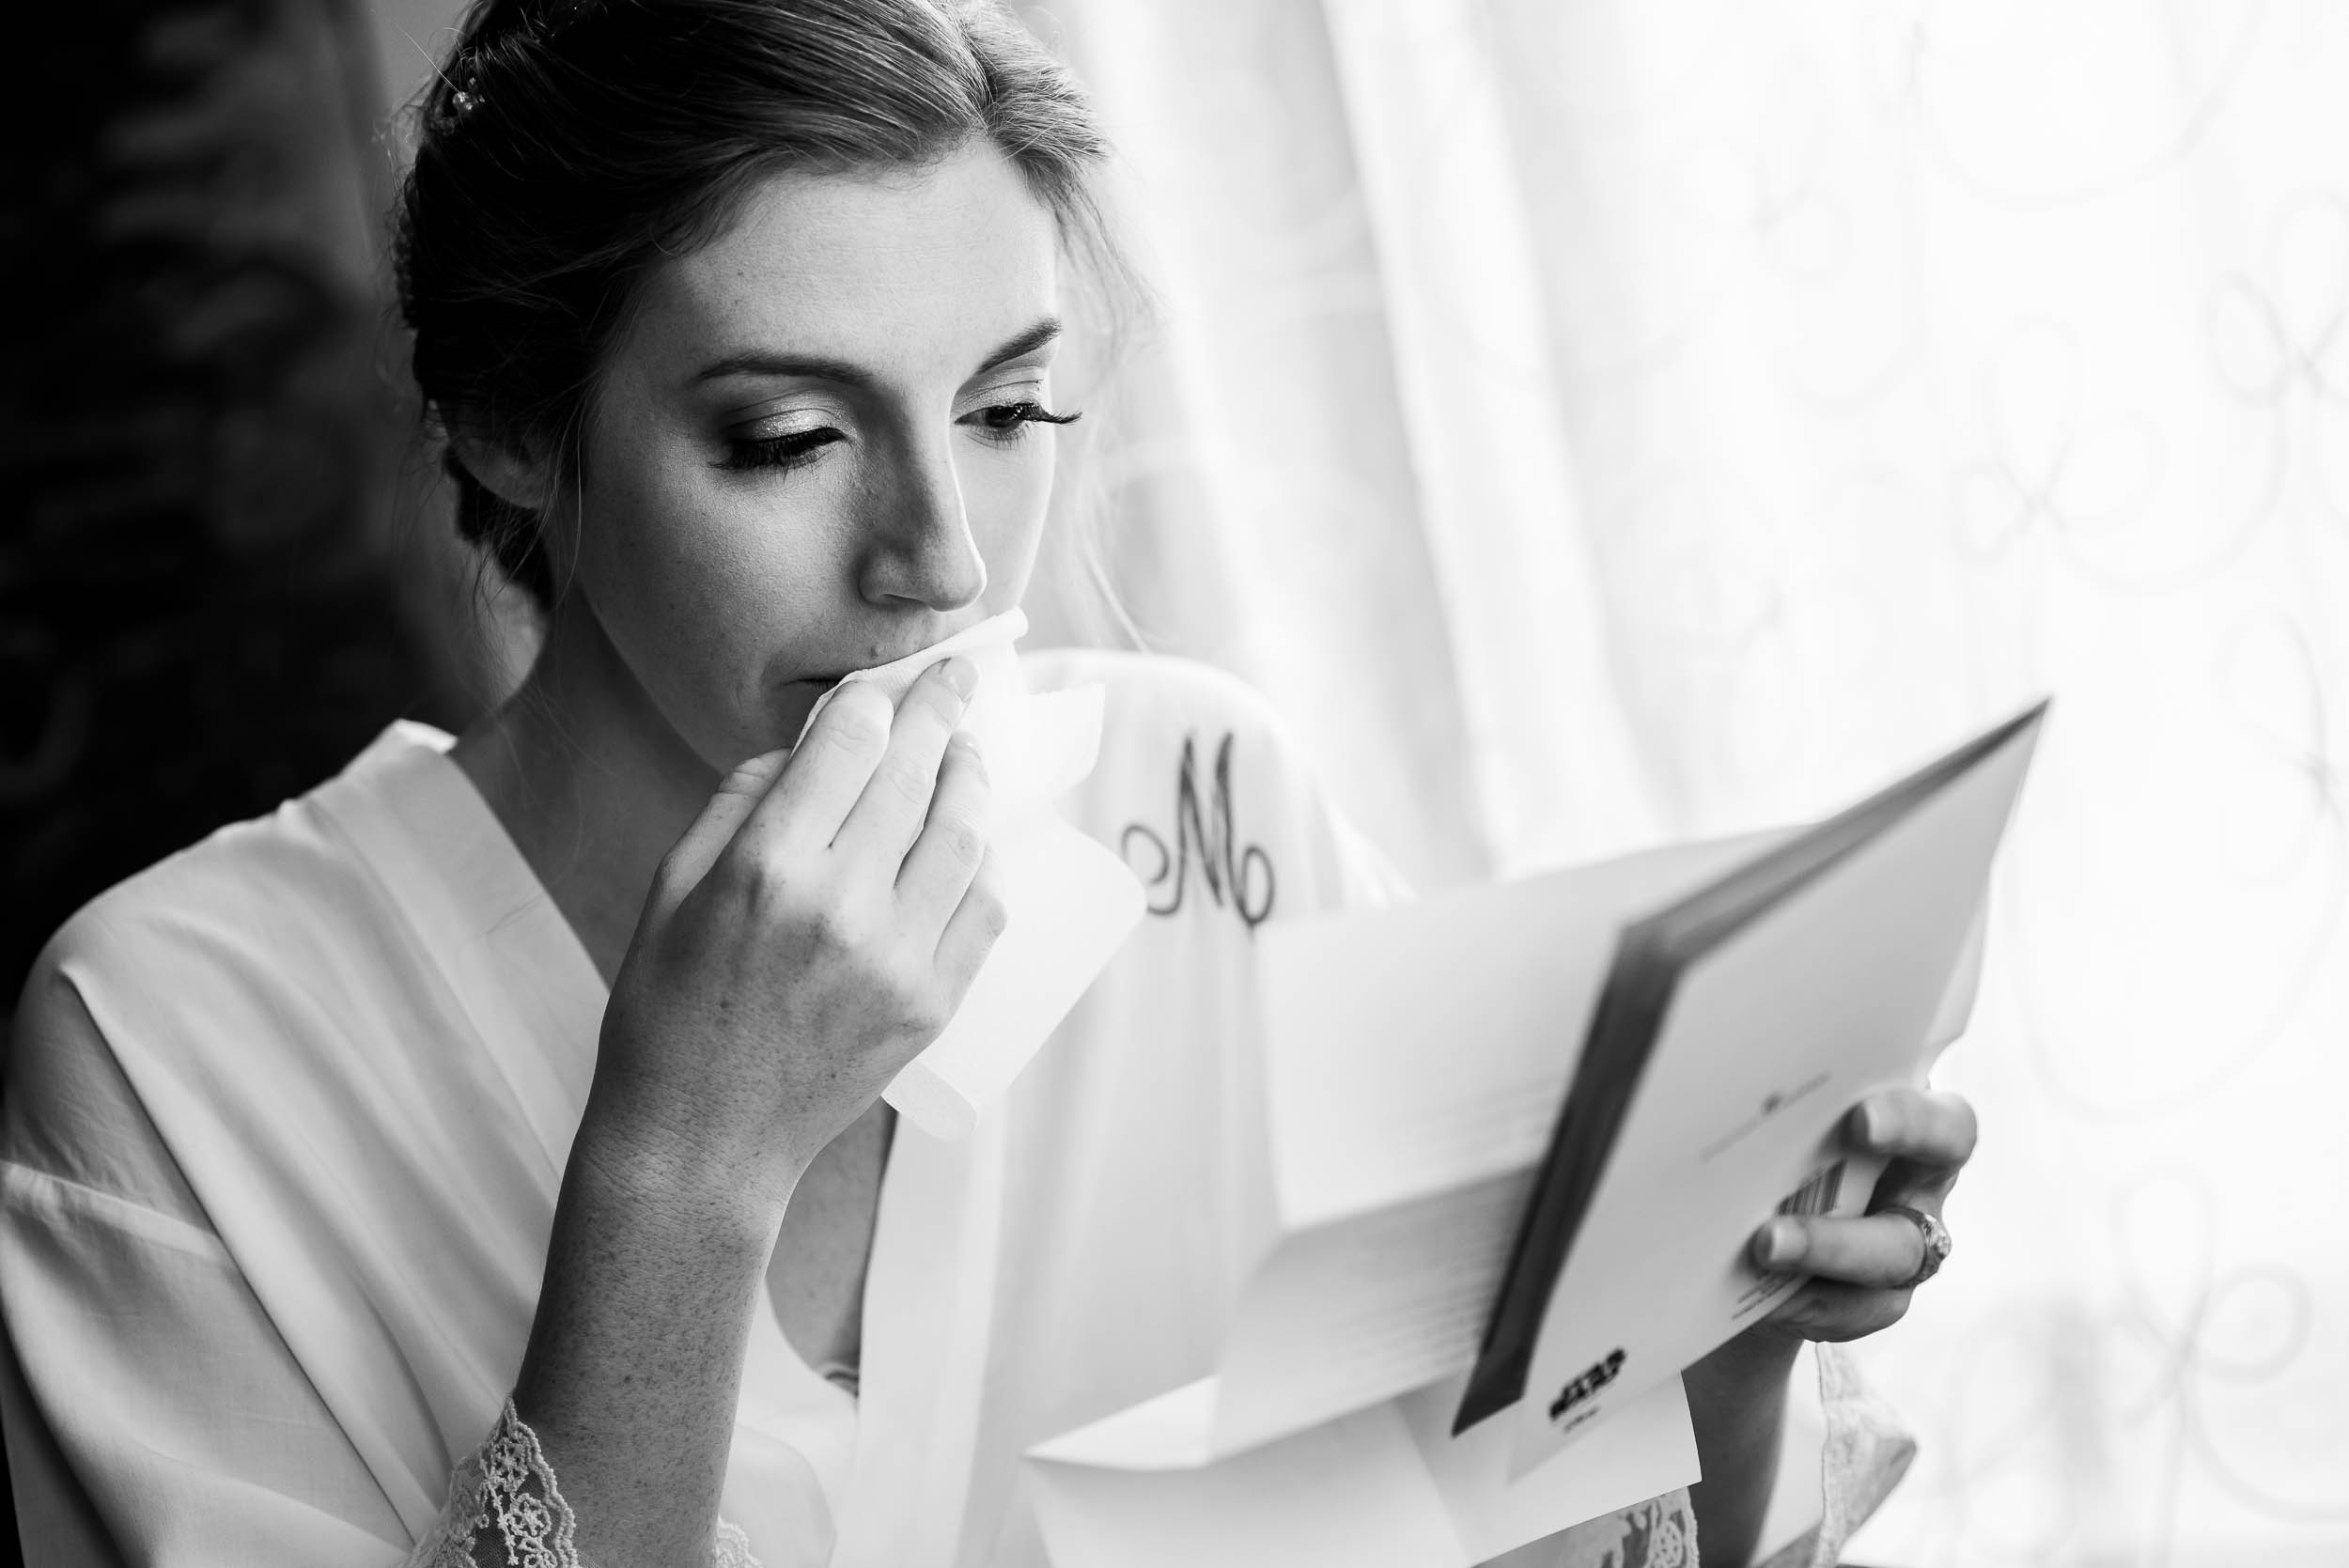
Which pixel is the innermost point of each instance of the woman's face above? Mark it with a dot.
(814, 446)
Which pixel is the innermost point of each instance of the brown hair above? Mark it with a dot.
(569, 146)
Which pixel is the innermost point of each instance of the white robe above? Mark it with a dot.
(287, 1114)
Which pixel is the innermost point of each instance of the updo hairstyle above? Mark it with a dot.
(569, 146)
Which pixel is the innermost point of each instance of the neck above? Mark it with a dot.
(589, 781)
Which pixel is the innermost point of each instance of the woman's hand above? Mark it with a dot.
(1863, 1269)
(1859, 1273)
(813, 930)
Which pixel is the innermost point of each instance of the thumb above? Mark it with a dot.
(698, 848)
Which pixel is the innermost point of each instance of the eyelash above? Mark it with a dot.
(799, 448)
(1022, 413)
(794, 450)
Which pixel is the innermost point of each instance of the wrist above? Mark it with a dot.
(1761, 1356)
(692, 1185)
(1738, 1411)
(654, 1272)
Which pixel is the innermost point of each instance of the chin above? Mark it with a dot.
(788, 712)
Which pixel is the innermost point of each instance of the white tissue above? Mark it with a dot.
(1072, 903)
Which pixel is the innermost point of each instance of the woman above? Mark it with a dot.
(546, 1063)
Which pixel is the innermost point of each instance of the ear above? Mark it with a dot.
(517, 475)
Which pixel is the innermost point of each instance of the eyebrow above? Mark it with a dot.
(818, 367)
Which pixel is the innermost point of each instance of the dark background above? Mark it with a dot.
(223, 561)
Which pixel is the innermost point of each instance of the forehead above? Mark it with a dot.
(901, 270)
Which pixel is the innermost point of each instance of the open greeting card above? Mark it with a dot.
(1517, 1136)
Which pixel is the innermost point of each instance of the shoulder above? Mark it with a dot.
(263, 891)
(147, 964)
(242, 870)
(195, 963)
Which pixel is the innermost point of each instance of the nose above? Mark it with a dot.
(922, 552)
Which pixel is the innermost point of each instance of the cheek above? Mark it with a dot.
(702, 583)
(1005, 500)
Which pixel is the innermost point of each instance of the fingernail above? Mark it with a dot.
(1780, 1243)
(1873, 1129)
(962, 676)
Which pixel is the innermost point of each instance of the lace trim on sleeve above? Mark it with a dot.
(1867, 1452)
(733, 1548)
(507, 1485)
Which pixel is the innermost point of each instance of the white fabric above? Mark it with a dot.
(285, 1117)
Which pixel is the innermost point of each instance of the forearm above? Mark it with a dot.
(635, 1357)
(1737, 1407)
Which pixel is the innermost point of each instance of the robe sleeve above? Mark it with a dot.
(1862, 1454)
(153, 1413)
(506, 1505)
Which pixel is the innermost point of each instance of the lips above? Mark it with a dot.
(836, 677)
(898, 670)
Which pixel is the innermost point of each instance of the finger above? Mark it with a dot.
(888, 815)
(828, 772)
(1877, 1251)
(970, 935)
(1922, 1125)
(1920, 1186)
(690, 859)
(939, 867)
(1824, 1310)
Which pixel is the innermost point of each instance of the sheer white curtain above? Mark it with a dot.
(1597, 420)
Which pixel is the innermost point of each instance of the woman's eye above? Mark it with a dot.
(1005, 421)
(793, 450)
